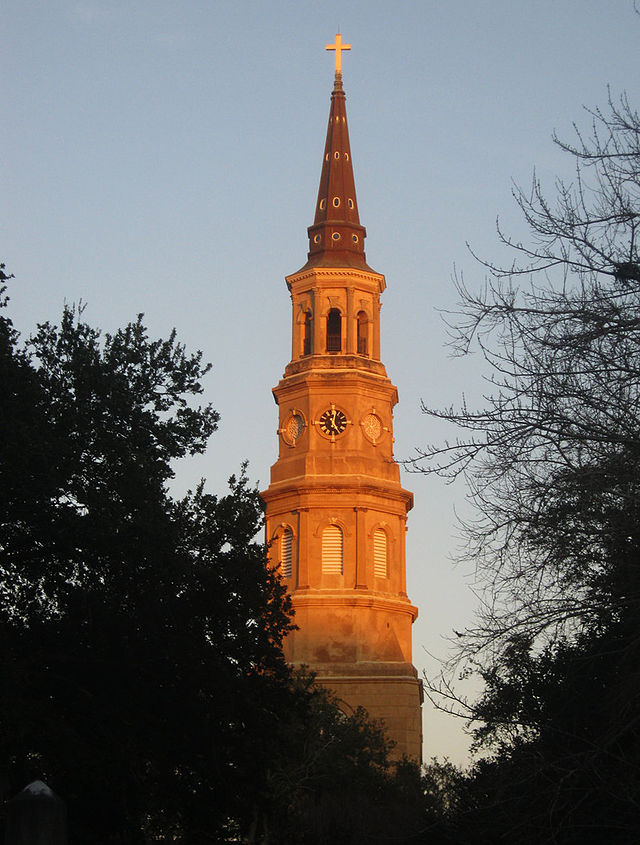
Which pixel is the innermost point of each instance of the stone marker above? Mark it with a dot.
(36, 816)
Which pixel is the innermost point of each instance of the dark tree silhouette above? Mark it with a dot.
(552, 463)
(140, 663)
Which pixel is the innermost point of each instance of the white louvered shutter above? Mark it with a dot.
(380, 553)
(332, 550)
(286, 549)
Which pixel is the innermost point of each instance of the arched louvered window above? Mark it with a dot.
(286, 552)
(334, 331)
(362, 333)
(332, 550)
(380, 553)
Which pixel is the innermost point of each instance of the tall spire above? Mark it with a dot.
(335, 510)
(336, 237)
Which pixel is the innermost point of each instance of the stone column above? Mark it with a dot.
(362, 574)
(302, 581)
(295, 342)
(317, 322)
(376, 330)
(402, 551)
(350, 317)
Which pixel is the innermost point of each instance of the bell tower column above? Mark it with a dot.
(335, 509)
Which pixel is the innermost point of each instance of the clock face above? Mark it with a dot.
(332, 422)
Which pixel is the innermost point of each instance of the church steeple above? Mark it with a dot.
(336, 237)
(336, 512)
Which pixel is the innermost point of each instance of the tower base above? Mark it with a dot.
(391, 693)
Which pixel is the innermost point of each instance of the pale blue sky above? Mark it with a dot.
(164, 158)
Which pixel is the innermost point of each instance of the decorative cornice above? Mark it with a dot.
(303, 485)
(306, 368)
(341, 597)
(309, 272)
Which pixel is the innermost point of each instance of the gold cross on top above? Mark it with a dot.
(338, 47)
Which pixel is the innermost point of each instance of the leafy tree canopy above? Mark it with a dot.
(141, 661)
(333, 782)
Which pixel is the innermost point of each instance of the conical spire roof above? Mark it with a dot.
(336, 238)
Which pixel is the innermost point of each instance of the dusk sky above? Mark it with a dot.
(164, 158)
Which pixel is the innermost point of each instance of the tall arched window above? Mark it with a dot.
(362, 333)
(332, 550)
(306, 336)
(380, 553)
(334, 331)
(286, 552)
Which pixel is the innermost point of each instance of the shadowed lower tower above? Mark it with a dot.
(335, 510)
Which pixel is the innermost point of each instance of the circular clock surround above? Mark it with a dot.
(332, 422)
(293, 427)
(372, 427)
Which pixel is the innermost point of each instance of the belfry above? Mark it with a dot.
(335, 509)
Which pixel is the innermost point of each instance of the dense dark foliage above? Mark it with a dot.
(552, 463)
(333, 781)
(140, 659)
